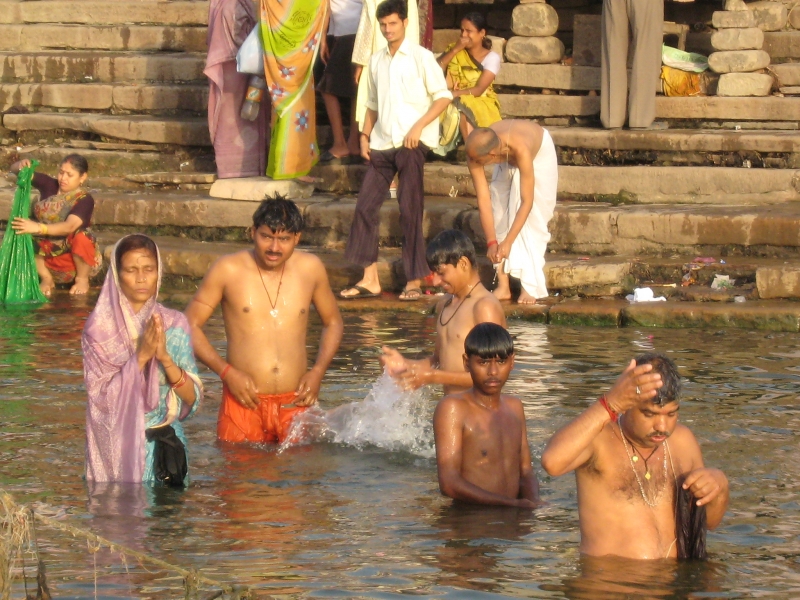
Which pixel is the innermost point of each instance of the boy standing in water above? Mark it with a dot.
(451, 257)
(482, 451)
(266, 295)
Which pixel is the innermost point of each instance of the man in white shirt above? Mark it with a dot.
(406, 94)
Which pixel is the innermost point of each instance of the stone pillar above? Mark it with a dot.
(738, 56)
(534, 24)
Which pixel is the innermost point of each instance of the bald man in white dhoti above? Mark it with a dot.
(516, 207)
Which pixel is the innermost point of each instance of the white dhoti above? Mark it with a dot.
(526, 258)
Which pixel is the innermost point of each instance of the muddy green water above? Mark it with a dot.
(330, 520)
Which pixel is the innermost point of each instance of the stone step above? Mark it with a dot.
(709, 108)
(102, 67)
(183, 131)
(133, 38)
(596, 229)
(125, 98)
(634, 184)
(92, 12)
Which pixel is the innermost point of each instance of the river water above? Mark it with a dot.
(360, 516)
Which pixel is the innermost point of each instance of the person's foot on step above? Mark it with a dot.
(357, 290)
(502, 292)
(525, 298)
(81, 286)
(46, 286)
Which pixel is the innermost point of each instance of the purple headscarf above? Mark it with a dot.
(120, 394)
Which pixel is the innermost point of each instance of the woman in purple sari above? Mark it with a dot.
(138, 366)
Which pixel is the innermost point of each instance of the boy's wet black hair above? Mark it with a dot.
(392, 7)
(663, 365)
(448, 247)
(489, 340)
(279, 214)
(136, 241)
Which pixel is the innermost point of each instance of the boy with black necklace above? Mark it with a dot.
(451, 256)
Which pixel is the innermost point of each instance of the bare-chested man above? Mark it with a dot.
(266, 294)
(482, 451)
(629, 455)
(516, 208)
(451, 257)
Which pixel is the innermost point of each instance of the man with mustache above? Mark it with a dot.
(266, 295)
(632, 459)
(482, 451)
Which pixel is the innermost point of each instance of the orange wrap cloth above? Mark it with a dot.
(62, 266)
(269, 422)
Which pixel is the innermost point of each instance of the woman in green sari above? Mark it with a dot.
(470, 67)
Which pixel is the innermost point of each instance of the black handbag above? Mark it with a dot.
(169, 460)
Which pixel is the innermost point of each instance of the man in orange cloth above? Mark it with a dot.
(266, 295)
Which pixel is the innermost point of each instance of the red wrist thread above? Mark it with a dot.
(491, 243)
(604, 403)
(224, 372)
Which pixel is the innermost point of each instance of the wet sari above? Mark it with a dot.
(57, 251)
(291, 31)
(124, 401)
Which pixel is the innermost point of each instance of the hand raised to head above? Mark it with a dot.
(636, 384)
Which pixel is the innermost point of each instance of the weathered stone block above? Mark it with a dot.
(114, 13)
(750, 38)
(794, 17)
(744, 84)
(770, 16)
(442, 38)
(788, 74)
(586, 40)
(257, 188)
(778, 282)
(535, 20)
(733, 18)
(731, 5)
(782, 44)
(534, 50)
(793, 90)
(554, 77)
(498, 45)
(531, 1)
(738, 61)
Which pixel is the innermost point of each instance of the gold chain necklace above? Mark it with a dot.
(274, 311)
(654, 502)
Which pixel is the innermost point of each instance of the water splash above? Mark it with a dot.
(389, 417)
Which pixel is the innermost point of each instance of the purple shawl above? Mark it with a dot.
(119, 393)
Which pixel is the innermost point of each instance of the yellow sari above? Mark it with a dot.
(480, 111)
(291, 31)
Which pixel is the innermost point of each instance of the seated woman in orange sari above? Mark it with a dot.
(470, 67)
(67, 250)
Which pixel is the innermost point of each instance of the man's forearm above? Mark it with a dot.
(205, 352)
(458, 488)
(573, 440)
(460, 379)
(328, 344)
(715, 509)
(529, 487)
(436, 109)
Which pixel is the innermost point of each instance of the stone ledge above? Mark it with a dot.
(114, 13)
(26, 38)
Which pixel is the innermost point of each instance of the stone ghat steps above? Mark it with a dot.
(80, 66)
(567, 274)
(783, 111)
(628, 184)
(92, 12)
(147, 98)
(591, 229)
(133, 38)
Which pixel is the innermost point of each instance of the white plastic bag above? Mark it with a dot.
(685, 61)
(250, 58)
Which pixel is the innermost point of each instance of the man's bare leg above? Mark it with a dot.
(353, 143)
(46, 283)
(333, 108)
(369, 281)
(464, 127)
(503, 289)
(82, 271)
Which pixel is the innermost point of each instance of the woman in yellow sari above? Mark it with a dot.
(470, 67)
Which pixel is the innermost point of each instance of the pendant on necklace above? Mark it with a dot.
(635, 459)
(647, 476)
(274, 312)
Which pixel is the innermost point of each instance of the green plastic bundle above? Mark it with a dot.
(19, 281)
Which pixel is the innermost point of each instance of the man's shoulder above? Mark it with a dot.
(452, 404)
(232, 264)
(307, 262)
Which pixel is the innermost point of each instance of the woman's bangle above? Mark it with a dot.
(180, 381)
(224, 372)
(42, 229)
(491, 243)
(611, 412)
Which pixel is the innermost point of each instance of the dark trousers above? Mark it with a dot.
(362, 245)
